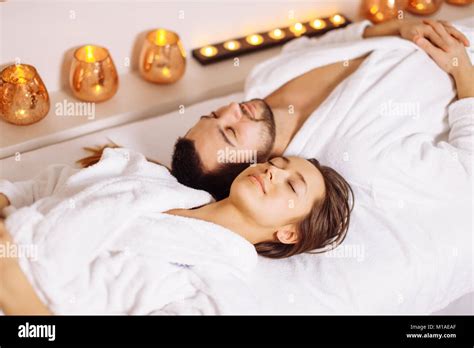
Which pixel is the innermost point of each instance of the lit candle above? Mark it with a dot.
(93, 76)
(232, 45)
(208, 51)
(23, 96)
(254, 39)
(318, 24)
(337, 20)
(277, 34)
(160, 37)
(298, 29)
(89, 54)
(423, 7)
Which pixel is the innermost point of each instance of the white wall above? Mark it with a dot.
(42, 33)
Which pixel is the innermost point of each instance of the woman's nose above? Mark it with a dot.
(275, 174)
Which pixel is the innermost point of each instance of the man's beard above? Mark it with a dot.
(269, 131)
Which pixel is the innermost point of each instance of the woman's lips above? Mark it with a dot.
(258, 180)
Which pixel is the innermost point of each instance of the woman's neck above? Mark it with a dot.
(225, 214)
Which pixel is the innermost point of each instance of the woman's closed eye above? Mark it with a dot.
(290, 184)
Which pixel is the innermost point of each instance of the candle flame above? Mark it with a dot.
(160, 37)
(298, 29)
(90, 58)
(318, 24)
(337, 19)
(208, 51)
(232, 45)
(254, 39)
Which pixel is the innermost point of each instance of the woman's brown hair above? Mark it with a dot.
(96, 154)
(326, 225)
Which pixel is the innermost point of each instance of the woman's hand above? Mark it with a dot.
(410, 29)
(451, 56)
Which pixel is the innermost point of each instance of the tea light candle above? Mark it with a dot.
(24, 98)
(337, 20)
(298, 29)
(232, 45)
(318, 24)
(254, 39)
(276, 34)
(162, 57)
(93, 76)
(208, 51)
(423, 7)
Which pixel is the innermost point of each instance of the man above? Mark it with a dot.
(268, 125)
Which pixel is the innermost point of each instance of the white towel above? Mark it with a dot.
(103, 244)
(386, 129)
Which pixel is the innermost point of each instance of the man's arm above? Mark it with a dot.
(4, 202)
(411, 28)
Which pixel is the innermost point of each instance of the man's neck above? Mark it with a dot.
(288, 120)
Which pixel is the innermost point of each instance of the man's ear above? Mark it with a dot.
(287, 235)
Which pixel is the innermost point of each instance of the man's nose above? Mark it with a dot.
(234, 114)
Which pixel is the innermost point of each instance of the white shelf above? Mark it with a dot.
(136, 99)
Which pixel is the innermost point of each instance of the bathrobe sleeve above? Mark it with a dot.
(24, 193)
(456, 152)
(350, 33)
(421, 167)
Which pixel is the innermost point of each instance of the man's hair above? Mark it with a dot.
(187, 167)
(325, 227)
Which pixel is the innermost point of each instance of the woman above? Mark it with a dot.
(123, 236)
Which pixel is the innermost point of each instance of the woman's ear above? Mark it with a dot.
(287, 235)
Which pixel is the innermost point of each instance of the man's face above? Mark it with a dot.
(234, 133)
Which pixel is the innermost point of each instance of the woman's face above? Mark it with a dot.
(278, 193)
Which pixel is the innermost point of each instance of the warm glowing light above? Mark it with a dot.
(254, 39)
(19, 75)
(98, 88)
(374, 9)
(277, 34)
(20, 112)
(160, 37)
(232, 45)
(337, 20)
(90, 54)
(420, 6)
(166, 71)
(318, 24)
(298, 29)
(379, 16)
(208, 51)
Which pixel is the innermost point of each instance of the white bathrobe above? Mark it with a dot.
(100, 242)
(387, 129)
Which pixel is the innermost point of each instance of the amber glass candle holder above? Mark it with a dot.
(162, 58)
(93, 76)
(459, 2)
(423, 7)
(378, 11)
(23, 96)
